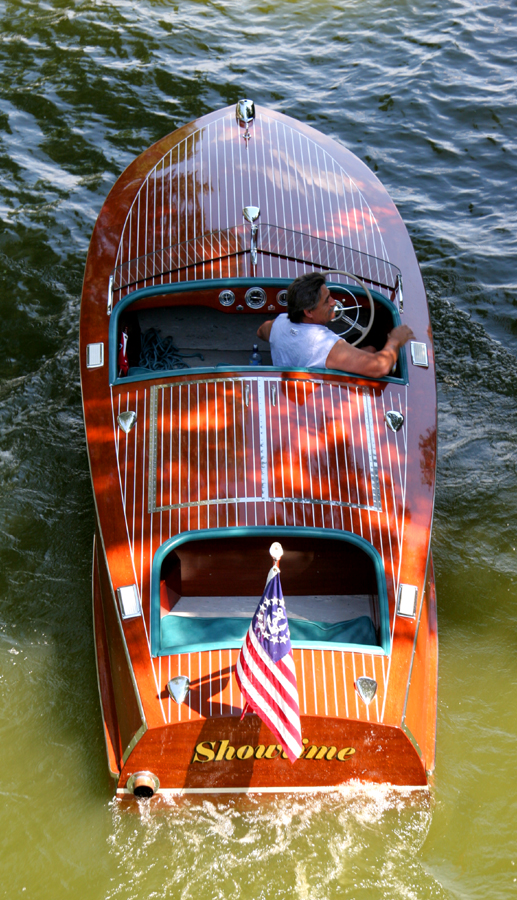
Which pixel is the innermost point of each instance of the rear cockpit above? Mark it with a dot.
(206, 590)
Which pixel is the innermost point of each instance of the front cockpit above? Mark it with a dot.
(198, 305)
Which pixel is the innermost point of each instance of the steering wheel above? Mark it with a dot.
(341, 312)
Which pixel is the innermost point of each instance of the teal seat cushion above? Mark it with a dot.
(138, 370)
(182, 634)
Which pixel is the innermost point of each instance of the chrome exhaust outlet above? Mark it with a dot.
(143, 785)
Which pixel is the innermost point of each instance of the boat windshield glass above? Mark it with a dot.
(271, 243)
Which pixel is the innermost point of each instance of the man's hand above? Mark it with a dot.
(364, 362)
(400, 336)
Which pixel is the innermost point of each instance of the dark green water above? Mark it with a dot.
(425, 94)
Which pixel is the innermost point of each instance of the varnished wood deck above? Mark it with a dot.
(194, 461)
(255, 449)
(202, 183)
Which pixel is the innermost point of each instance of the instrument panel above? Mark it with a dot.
(235, 300)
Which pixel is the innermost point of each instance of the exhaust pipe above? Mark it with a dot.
(143, 785)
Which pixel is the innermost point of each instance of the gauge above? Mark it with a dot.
(226, 298)
(255, 297)
(281, 298)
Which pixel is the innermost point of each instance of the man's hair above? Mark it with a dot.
(304, 293)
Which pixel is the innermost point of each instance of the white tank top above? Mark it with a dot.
(298, 345)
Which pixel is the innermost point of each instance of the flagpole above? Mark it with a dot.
(276, 551)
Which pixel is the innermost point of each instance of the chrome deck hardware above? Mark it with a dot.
(419, 354)
(129, 600)
(394, 419)
(245, 113)
(251, 213)
(110, 295)
(94, 355)
(178, 688)
(366, 688)
(127, 420)
(407, 600)
(401, 295)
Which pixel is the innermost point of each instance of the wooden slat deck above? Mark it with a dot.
(326, 684)
(202, 183)
(193, 461)
(326, 460)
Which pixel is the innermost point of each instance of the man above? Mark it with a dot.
(301, 338)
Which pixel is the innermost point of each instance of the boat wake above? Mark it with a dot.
(363, 842)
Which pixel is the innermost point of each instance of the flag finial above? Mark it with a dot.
(277, 551)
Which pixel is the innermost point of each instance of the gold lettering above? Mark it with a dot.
(314, 752)
(272, 751)
(204, 752)
(345, 753)
(245, 752)
(223, 746)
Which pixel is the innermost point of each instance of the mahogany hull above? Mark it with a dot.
(197, 463)
(370, 752)
(381, 754)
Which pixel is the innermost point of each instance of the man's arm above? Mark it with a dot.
(265, 330)
(361, 362)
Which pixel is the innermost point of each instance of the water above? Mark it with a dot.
(425, 94)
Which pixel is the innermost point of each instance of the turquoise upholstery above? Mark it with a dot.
(182, 634)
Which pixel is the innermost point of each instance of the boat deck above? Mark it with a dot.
(212, 453)
(227, 453)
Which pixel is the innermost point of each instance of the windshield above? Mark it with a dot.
(272, 242)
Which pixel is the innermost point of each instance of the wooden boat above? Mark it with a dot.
(197, 469)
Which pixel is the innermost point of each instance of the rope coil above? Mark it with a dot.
(158, 353)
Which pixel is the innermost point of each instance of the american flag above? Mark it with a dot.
(266, 672)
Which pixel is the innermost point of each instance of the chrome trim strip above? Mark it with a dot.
(134, 741)
(124, 643)
(425, 596)
(110, 295)
(153, 428)
(114, 775)
(231, 500)
(372, 452)
(263, 438)
(412, 738)
(322, 789)
(274, 376)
